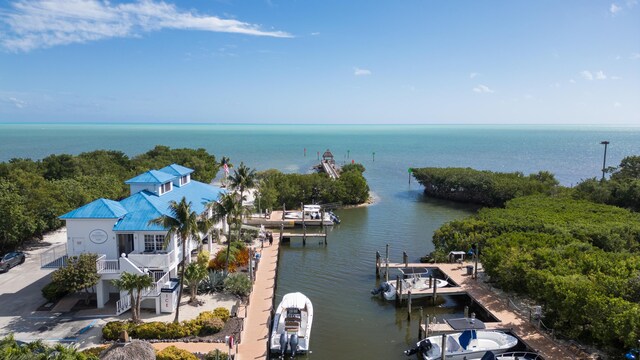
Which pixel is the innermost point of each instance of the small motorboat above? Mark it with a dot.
(466, 345)
(291, 329)
(413, 283)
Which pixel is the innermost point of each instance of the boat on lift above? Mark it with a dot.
(466, 345)
(291, 330)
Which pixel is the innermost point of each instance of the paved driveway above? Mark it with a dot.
(21, 296)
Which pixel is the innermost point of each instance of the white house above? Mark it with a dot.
(121, 234)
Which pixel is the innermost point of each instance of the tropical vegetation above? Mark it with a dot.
(207, 323)
(482, 187)
(565, 248)
(79, 273)
(133, 284)
(184, 223)
(276, 188)
(10, 349)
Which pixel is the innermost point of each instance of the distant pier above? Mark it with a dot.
(328, 165)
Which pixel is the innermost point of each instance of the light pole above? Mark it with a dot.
(604, 160)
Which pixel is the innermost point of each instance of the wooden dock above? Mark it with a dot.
(500, 308)
(276, 220)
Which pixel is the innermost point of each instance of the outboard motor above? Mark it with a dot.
(283, 344)
(424, 346)
(293, 342)
(384, 287)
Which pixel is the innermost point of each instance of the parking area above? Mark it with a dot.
(20, 298)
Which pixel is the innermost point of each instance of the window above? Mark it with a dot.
(166, 187)
(184, 179)
(153, 243)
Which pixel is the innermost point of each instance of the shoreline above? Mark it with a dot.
(372, 200)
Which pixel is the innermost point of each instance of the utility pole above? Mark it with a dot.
(604, 160)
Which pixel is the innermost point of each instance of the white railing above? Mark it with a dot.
(54, 258)
(154, 290)
(104, 266)
(158, 260)
(123, 304)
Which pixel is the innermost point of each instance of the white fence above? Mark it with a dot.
(54, 258)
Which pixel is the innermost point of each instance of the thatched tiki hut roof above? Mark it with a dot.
(136, 349)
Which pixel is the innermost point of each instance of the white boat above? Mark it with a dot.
(413, 283)
(466, 345)
(291, 329)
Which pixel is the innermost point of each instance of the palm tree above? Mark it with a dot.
(194, 274)
(133, 284)
(183, 222)
(228, 207)
(243, 178)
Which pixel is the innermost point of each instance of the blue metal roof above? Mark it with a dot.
(177, 170)
(136, 211)
(97, 209)
(151, 177)
(146, 206)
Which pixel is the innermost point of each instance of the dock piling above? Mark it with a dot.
(398, 290)
(444, 343)
(377, 264)
(409, 305)
(466, 311)
(405, 259)
(435, 292)
(386, 259)
(420, 320)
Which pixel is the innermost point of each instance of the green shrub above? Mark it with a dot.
(53, 292)
(112, 330)
(216, 355)
(173, 353)
(211, 326)
(93, 352)
(237, 284)
(222, 313)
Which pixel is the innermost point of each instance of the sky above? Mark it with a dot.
(320, 61)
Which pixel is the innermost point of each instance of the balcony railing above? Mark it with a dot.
(54, 258)
(105, 266)
(154, 260)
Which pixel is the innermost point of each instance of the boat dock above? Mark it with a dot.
(508, 316)
(328, 165)
(277, 219)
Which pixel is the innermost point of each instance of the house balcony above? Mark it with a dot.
(154, 260)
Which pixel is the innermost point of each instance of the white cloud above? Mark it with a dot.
(617, 104)
(20, 104)
(482, 89)
(600, 75)
(635, 56)
(572, 81)
(587, 75)
(614, 9)
(473, 75)
(361, 72)
(315, 33)
(614, 77)
(34, 24)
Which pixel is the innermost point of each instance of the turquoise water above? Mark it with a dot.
(349, 323)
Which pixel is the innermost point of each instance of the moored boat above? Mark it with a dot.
(291, 329)
(469, 344)
(410, 281)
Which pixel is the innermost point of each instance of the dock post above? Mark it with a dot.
(398, 291)
(377, 264)
(322, 213)
(284, 209)
(466, 311)
(420, 320)
(430, 280)
(405, 259)
(304, 227)
(386, 258)
(444, 343)
(435, 292)
(426, 326)
(281, 231)
(409, 305)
